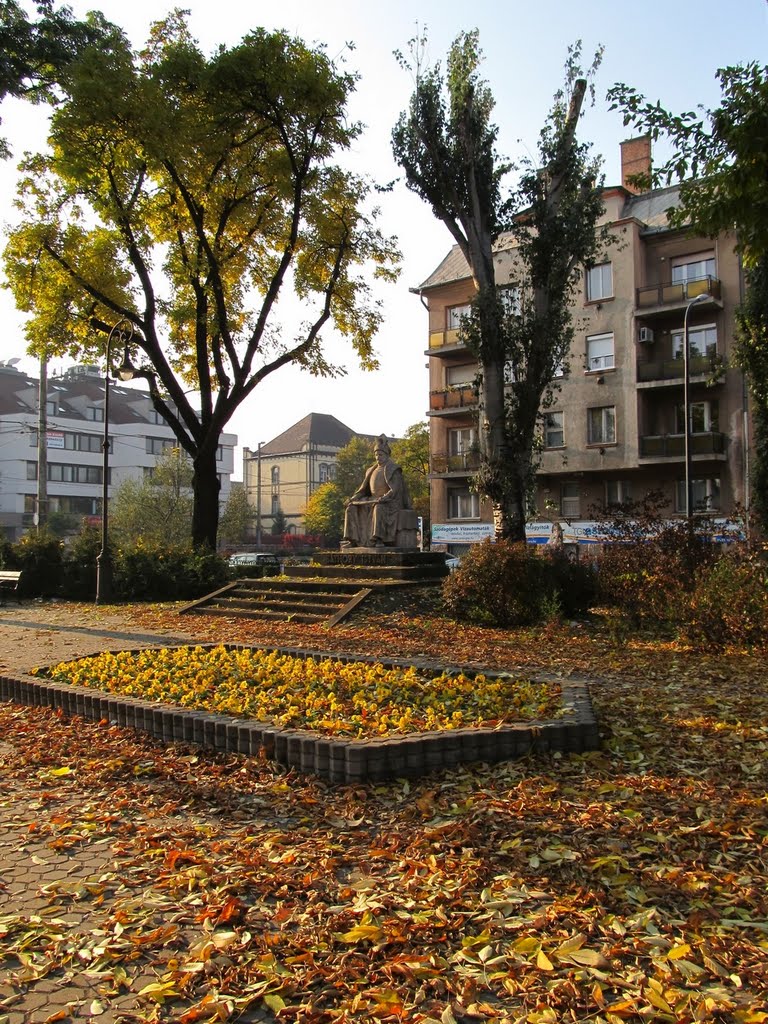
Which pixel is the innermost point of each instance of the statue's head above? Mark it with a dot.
(381, 447)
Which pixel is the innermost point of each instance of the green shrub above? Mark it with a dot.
(510, 584)
(730, 602)
(40, 557)
(150, 572)
(79, 566)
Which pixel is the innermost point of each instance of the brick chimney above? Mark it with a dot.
(635, 159)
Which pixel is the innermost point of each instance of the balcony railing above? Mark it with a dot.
(452, 398)
(445, 339)
(672, 369)
(448, 462)
(677, 294)
(668, 445)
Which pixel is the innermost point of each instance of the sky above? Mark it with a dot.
(668, 51)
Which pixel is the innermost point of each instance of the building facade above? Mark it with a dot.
(73, 451)
(281, 475)
(616, 429)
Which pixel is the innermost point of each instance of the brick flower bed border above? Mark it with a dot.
(338, 759)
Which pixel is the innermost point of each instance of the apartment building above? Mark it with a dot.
(74, 444)
(281, 475)
(617, 427)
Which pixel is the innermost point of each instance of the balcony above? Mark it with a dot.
(444, 342)
(672, 369)
(667, 446)
(461, 463)
(449, 400)
(658, 299)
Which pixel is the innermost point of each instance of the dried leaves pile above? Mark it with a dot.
(627, 884)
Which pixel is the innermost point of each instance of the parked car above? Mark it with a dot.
(452, 564)
(255, 563)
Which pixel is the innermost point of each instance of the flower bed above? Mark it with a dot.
(330, 696)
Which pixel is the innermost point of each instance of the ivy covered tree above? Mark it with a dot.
(446, 144)
(236, 517)
(185, 194)
(720, 159)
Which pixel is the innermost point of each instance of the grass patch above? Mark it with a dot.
(336, 698)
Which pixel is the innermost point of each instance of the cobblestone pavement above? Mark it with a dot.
(56, 886)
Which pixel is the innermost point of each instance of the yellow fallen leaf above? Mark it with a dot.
(543, 962)
(360, 932)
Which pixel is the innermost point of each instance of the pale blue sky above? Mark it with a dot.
(669, 51)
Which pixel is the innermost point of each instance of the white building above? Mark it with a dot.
(74, 448)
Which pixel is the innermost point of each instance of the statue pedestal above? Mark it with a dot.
(374, 565)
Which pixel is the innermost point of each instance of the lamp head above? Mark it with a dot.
(126, 370)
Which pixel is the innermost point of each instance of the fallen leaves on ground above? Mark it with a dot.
(626, 884)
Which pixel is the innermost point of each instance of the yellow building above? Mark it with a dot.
(280, 476)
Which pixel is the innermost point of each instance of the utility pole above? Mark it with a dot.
(258, 494)
(42, 447)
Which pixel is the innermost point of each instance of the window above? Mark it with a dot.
(553, 430)
(75, 505)
(511, 300)
(51, 407)
(600, 282)
(95, 413)
(702, 341)
(570, 501)
(275, 476)
(600, 352)
(693, 267)
(455, 314)
(463, 504)
(219, 453)
(62, 472)
(618, 492)
(705, 417)
(461, 440)
(275, 505)
(460, 376)
(157, 445)
(705, 495)
(601, 425)
(31, 471)
(323, 472)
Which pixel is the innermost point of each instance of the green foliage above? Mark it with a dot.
(157, 510)
(78, 581)
(445, 143)
(723, 155)
(236, 517)
(154, 572)
(324, 513)
(751, 354)
(411, 453)
(40, 555)
(729, 605)
(510, 584)
(351, 463)
(184, 194)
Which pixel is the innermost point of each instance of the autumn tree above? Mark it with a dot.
(156, 510)
(411, 453)
(236, 517)
(720, 159)
(324, 513)
(446, 145)
(187, 195)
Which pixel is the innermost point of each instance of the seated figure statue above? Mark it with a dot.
(371, 517)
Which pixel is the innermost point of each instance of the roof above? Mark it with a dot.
(650, 208)
(317, 428)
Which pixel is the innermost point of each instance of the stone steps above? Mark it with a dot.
(281, 600)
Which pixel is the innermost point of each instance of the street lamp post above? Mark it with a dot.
(687, 409)
(122, 331)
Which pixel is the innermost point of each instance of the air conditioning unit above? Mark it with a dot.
(645, 335)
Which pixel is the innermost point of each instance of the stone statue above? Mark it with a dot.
(373, 516)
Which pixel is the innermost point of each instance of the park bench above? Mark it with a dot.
(9, 583)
